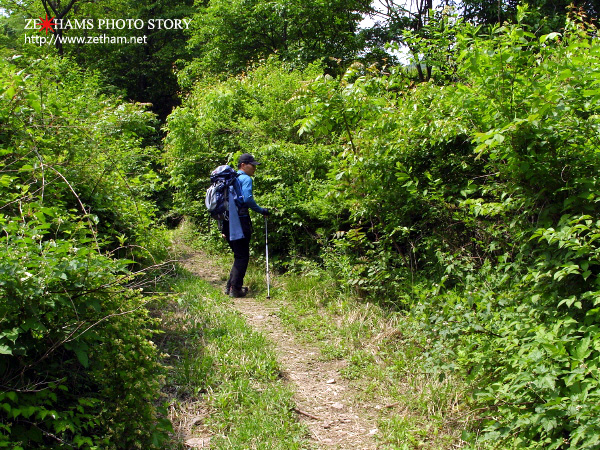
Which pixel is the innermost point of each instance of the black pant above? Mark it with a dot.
(241, 253)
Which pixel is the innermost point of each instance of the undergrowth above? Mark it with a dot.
(383, 351)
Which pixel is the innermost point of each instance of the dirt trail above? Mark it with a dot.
(325, 402)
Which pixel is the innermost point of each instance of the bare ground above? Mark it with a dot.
(325, 402)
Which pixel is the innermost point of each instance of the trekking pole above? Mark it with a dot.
(267, 252)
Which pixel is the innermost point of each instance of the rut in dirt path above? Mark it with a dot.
(325, 402)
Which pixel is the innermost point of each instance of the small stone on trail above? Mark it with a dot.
(332, 381)
(337, 405)
(198, 442)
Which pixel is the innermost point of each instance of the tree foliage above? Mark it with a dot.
(552, 12)
(470, 200)
(143, 71)
(228, 37)
(77, 367)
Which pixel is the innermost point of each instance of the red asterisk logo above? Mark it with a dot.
(47, 24)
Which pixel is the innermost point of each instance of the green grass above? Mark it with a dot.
(383, 352)
(223, 367)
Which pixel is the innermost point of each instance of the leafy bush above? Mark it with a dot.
(80, 148)
(486, 186)
(253, 113)
(76, 363)
(77, 367)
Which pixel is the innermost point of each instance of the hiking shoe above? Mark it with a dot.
(236, 293)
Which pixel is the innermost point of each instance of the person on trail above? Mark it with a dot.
(241, 247)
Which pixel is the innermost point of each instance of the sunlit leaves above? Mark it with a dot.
(73, 335)
(495, 183)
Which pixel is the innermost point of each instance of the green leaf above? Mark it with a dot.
(591, 92)
(5, 350)
(82, 356)
(11, 335)
(10, 92)
(582, 350)
(549, 36)
(565, 74)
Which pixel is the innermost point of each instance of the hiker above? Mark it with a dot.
(241, 247)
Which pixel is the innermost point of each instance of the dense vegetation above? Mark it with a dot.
(461, 190)
(76, 364)
(470, 200)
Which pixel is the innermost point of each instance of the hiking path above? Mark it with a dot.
(325, 402)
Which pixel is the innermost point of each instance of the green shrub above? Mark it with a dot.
(253, 113)
(77, 366)
(76, 362)
(484, 191)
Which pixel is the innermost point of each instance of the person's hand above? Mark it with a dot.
(266, 212)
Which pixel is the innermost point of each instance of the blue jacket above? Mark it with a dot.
(235, 225)
(245, 182)
(237, 210)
